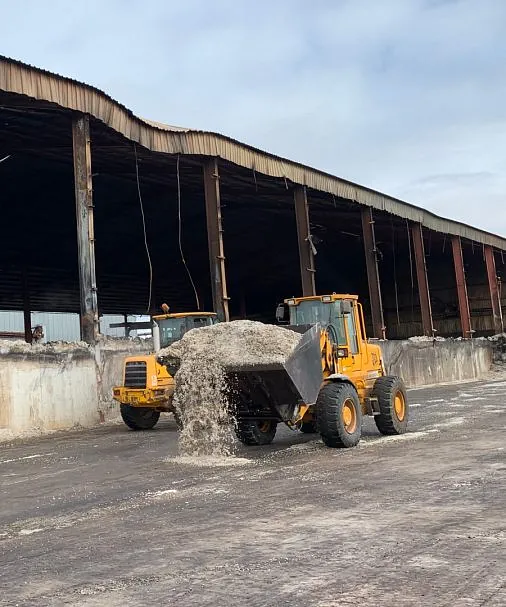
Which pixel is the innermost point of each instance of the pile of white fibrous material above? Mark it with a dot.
(201, 395)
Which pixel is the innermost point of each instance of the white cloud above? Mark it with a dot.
(407, 96)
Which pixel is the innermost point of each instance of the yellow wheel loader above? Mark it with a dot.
(332, 379)
(148, 382)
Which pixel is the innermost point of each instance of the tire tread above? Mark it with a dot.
(328, 415)
(383, 390)
(131, 418)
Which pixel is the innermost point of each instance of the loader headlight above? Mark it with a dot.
(291, 302)
(326, 299)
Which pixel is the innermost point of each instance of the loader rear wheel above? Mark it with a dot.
(393, 404)
(308, 427)
(339, 415)
(255, 432)
(139, 418)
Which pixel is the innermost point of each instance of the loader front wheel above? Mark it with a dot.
(339, 415)
(139, 418)
(308, 427)
(393, 404)
(255, 432)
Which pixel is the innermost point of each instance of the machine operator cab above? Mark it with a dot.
(169, 328)
(340, 315)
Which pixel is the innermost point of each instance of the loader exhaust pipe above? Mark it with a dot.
(156, 336)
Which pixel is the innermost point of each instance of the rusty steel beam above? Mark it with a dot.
(373, 278)
(422, 279)
(493, 284)
(458, 262)
(85, 228)
(215, 239)
(306, 254)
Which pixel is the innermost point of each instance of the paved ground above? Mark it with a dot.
(103, 518)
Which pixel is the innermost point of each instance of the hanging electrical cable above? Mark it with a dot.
(180, 232)
(148, 255)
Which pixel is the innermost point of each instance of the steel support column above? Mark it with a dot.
(215, 239)
(422, 279)
(27, 313)
(373, 279)
(493, 284)
(85, 228)
(458, 262)
(306, 255)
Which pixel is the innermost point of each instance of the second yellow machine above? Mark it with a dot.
(148, 384)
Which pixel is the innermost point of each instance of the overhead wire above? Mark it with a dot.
(148, 255)
(180, 234)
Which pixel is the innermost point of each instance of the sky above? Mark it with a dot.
(404, 96)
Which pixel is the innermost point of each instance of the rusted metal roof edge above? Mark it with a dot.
(20, 78)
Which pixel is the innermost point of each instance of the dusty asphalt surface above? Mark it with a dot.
(102, 518)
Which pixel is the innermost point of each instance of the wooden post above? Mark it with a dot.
(373, 279)
(306, 255)
(215, 239)
(493, 285)
(422, 279)
(85, 228)
(458, 262)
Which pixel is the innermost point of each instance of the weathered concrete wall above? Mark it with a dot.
(47, 391)
(425, 362)
(44, 388)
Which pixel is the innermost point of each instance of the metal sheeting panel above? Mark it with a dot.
(22, 79)
(107, 319)
(12, 321)
(58, 326)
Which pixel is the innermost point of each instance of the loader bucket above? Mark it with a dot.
(278, 388)
(304, 366)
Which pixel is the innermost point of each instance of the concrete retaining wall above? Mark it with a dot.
(44, 388)
(47, 391)
(427, 362)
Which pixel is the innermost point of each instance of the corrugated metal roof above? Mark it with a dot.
(23, 79)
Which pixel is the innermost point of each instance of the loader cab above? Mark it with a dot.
(333, 311)
(171, 327)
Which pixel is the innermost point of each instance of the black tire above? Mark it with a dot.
(393, 404)
(139, 418)
(339, 415)
(255, 432)
(308, 428)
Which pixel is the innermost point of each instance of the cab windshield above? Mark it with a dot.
(315, 311)
(173, 329)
